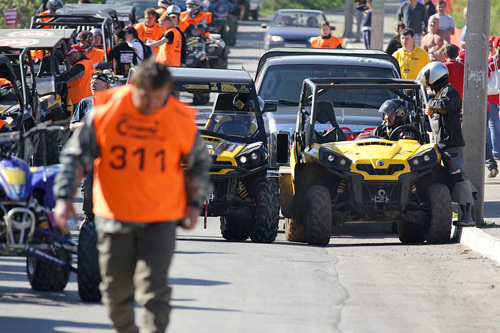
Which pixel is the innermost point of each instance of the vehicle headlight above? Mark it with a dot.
(243, 159)
(252, 155)
(334, 160)
(274, 38)
(423, 160)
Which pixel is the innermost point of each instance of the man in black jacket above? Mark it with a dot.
(448, 104)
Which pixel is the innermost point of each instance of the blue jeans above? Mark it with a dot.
(494, 127)
(367, 38)
(490, 160)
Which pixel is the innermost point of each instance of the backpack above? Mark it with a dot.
(148, 51)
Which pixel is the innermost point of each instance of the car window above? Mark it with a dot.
(241, 124)
(285, 83)
(297, 19)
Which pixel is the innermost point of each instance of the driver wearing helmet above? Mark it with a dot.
(394, 114)
(241, 123)
(86, 41)
(98, 38)
(448, 104)
(52, 6)
(195, 17)
(162, 7)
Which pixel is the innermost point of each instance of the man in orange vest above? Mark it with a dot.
(52, 6)
(149, 30)
(194, 16)
(86, 41)
(151, 174)
(162, 7)
(78, 76)
(326, 40)
(170, 45)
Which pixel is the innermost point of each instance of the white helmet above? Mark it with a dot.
(433, 73)
(55, 4)
(174, 9)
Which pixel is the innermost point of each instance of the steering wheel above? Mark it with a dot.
(407, 130)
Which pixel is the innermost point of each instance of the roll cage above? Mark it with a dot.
(409, 90)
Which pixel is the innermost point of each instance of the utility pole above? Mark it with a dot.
(349, 11)
(475, 90)
(377, 36)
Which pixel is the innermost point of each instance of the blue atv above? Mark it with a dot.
(28, 227)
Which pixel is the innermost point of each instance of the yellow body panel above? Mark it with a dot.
(224, 156)
(14, 177)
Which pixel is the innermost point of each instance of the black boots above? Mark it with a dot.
(467, 219)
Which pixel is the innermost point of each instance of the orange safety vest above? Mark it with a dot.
(80, 88)
(154, 33)
(138, 176)
(185, 21)
(5, 82)
(170, 54)
(330, 43)
(46, 19)
(160, 11)
(96, 55)
(37, 54)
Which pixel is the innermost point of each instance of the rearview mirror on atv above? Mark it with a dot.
(270, 107)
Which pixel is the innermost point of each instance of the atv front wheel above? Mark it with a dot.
(294, 230)
(267, 211)
(45, 277)
(317, 215)
(88, 274)
(441, 214)
(410, 232)
(234, 229)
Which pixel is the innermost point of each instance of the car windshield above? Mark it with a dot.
(239, 124)
(297, 19)
(284, 83)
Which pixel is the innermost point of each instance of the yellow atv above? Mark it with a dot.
(245, 198)
(331, 181)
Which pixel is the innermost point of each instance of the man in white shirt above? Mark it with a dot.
(445, 21)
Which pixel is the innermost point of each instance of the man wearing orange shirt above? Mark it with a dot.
(151, 174)
(149, 31)
(52, 6)
(170, 44)
(194, 16)
(162, 7)
(326, 40)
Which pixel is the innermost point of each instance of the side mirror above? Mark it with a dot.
(264, 25)
(270, 107)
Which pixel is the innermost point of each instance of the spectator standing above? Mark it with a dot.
(135, 43)
(135, 216)
(430, 8)
(220, 10)
(414, 16)
(122, 55)
(433, 43)
(366, 22)
(446, 22)
(326, 40)
(493, 101)
(410, 57)
(359, 17)
(455, 68)
(395, 42)
(149, 30)
(232, 20)
(174, 12)
(170, 45)
(464, 31)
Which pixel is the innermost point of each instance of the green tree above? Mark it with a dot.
(458, 17)
(25, 10)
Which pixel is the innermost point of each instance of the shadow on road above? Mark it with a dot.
(195, 282)
(12, 324)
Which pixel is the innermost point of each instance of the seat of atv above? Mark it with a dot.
(326, 115)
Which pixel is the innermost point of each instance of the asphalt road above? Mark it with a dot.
(364, 281)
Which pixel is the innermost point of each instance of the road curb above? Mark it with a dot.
(478, 241)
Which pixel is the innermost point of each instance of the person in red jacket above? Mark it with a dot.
(455, 68)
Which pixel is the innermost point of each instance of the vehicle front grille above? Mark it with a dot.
(210, 139)
(218, 165)
(390, 170)
(374, 143)
(391, 191)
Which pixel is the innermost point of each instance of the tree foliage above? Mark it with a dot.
(458, 17)
(25, 10)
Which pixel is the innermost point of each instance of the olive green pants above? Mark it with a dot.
(137, 261)
(232, 24)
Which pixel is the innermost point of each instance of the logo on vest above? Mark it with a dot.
(138, 128)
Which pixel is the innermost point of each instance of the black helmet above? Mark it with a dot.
(246, 102)
(55, 4)
(398, 108)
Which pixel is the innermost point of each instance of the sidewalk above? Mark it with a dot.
(484, 239)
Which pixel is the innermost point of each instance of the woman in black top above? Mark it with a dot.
(395, 42)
